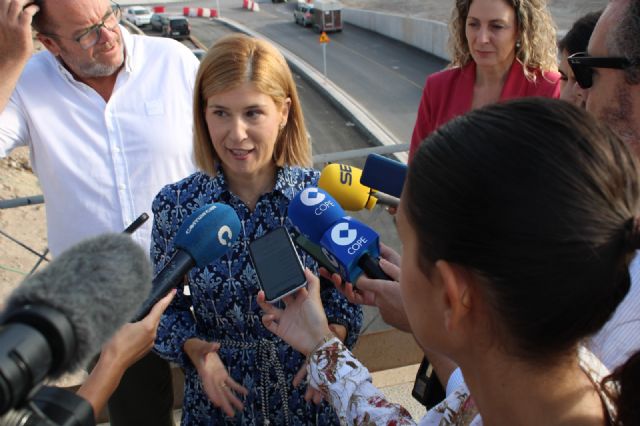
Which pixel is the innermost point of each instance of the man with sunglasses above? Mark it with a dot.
(108, 119)
(608, 75)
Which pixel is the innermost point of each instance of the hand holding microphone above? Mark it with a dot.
(204, 236)
(351, 246)
(383, 294)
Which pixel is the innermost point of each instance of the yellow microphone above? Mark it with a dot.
(343, 183)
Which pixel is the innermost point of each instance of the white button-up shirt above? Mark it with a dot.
(101, 163)
(620, 336)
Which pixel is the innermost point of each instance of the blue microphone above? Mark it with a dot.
(203, 237)
(384, 175)
(351, 246)
(313, 211)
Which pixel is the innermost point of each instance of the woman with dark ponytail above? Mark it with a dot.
(519, 221)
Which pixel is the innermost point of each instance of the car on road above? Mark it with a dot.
(303, 14)
(138, 15)
(171, 26)
(158, 20)
(176, 27)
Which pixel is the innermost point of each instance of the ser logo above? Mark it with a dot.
(342, 235)
(311, 197)
(345, 175)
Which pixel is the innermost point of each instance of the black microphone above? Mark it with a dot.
(384, 175)
(204, 236)
(58, 318)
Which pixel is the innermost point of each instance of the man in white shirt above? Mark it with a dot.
(108, 119)
(613, 95)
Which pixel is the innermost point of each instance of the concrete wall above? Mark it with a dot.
(430, 36)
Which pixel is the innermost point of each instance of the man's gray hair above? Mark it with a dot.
(625, 41)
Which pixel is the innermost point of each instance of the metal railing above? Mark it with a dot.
(317, 159)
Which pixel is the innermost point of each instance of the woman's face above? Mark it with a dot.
(491, 31)
(419, 292)
(244, 125)
(568, 85)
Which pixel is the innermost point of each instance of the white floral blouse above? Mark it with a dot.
(347, 385)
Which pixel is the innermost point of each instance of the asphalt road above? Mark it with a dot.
(329, 130)
(383, 75)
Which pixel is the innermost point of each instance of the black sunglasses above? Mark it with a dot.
(582, 65)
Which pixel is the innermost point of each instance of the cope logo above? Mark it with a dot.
(311, 197)
(225, 235)
(342, 235)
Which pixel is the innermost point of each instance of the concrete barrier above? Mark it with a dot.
(425, 34)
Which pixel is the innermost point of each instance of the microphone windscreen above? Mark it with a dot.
(313, 211)
(384, 175)
(208, 233)
(96, 284)
(343, 183)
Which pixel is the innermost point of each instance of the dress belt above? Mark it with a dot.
(267, 361)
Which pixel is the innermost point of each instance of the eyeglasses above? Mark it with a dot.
(582, 65)
(91, 36)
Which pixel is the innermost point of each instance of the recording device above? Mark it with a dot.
(58, 318)
(203, 237)
(384, 175)
(136, 224)
(277, 264)
(350, 246)
(427, 389)
(315, 251)
(343, 183)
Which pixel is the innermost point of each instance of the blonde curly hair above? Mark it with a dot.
(538, 48)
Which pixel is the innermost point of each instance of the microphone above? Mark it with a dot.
(343, 183)
(384, 175)
(350, 246)
(58, 318)
(313, 211)
(203, 237)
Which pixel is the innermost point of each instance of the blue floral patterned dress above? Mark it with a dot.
(223, 298)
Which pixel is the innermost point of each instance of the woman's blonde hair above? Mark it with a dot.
(537, 36)
(232, 61)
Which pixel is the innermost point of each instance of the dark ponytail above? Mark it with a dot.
(626, 382)
(536, 197)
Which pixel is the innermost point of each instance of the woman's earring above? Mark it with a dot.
(518, 45)
(282, 125)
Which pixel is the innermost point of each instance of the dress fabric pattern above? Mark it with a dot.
(223, 299)
(345, 382)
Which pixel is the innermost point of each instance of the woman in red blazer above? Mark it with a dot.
(500, 49)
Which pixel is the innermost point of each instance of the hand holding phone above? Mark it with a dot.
(277, 264)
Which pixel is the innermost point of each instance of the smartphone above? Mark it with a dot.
(315, 251)
(277, 264)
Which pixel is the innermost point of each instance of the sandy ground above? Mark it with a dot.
(28, 224)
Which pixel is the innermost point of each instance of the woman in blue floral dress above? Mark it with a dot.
(251, 148)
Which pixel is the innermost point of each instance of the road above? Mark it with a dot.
(329, 131)
(383, 75)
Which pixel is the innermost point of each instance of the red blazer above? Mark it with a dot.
(449, 93)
